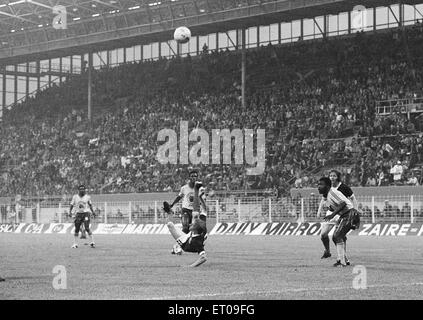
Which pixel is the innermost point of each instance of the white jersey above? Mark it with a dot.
(81, 204)
(334, 198)
(187, 194)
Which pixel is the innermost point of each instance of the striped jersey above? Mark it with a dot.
(335, 197)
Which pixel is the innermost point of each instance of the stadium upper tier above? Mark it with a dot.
(40, 29)
(303, 95)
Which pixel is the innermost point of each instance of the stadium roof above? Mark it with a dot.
(21, 15)
(26, 26)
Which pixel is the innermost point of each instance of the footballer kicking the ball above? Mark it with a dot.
(187, 195)
(193, 241)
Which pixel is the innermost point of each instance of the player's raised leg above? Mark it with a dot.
(176, 233)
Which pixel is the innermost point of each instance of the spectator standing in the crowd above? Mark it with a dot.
(371, 181)
(397, 171)
(412, 180)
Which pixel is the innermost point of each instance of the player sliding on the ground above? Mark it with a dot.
(83, 205)
(187, 196)
(335, 177)
(349, 218)
(193, 241)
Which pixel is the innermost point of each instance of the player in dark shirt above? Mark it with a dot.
(198, 231)
(335, 178)
(193, 241)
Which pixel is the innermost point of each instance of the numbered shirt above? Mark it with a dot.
(81, 204)
(187, 194)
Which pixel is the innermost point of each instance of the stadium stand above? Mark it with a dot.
(116, 152)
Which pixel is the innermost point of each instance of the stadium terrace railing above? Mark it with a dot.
(374, 209)
(411, 105)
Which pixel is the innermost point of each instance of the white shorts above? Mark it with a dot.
(184, 238)
(334, 220)
(201, 213)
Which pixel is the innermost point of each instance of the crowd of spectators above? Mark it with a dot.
(315, 99)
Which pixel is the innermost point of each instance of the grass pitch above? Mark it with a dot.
(238, 267)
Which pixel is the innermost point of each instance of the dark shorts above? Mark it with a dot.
(186, 217)
(82, 218)
(187, 212)
(349, 221)
(194, 244)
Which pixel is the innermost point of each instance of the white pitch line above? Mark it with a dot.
(273, 292)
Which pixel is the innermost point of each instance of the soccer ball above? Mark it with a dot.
(182, 35)
(176, 249)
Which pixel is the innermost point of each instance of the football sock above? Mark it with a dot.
(345, 249)
(326, 242)
(340, 251)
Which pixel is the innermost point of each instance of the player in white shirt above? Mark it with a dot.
(187, 195)
(83, 208)
(347, 218)
(335, 177)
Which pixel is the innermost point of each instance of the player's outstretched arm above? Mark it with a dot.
(178, 198)
(337, 210)
(167, 208)
(320, 210)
